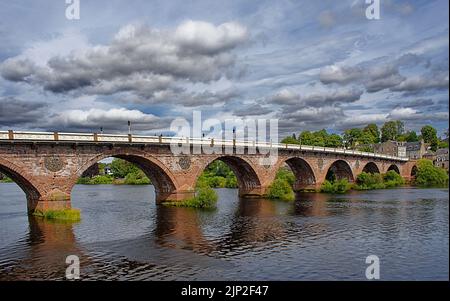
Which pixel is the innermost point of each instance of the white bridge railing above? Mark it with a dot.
(113, 138)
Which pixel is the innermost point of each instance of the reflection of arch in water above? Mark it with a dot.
(371, 167)
(45, 252)
(180, 228)
(252, 224)
(339, 170)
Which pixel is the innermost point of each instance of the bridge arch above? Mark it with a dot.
(394, 168)
(249, 182)
(22, 180)
(162, 179)
(339, 170)
(304, 174)
(371, 167)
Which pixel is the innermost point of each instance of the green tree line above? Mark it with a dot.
(369, 135)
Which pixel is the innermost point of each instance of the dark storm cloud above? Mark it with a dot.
(15, 112)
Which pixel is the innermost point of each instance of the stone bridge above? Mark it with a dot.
(47, 165)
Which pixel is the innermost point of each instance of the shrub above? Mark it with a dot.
(231, 181)
(205, 198)
(287, 175)
(392, 179)
(366, 181)
(101, 180)
(136, 178)
(281, 189)
(337, 186)
(105, 179)
(429, 175)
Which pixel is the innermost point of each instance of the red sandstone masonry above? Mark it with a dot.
(48, 171)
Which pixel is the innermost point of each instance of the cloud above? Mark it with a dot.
(381, 74)
(139, 59)
(205, 38)
(438, 80)
(402, 113)
(114, 119)
(285, 97)
(252, 110)
(360, 119)
(420, 102)
(329, 98)
(16, 112)
(291, 100)
(339, 74)
(17, 69)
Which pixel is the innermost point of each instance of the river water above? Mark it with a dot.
(123, 235)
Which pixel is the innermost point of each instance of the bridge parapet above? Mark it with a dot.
(140, 139)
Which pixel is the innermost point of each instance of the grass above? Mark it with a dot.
(63, 214)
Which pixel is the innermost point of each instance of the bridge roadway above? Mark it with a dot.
(47, 165)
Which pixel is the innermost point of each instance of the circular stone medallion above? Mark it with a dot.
(184, 162)
(53, 164)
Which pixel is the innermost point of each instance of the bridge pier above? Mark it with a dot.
(174, 196)
(55, 200)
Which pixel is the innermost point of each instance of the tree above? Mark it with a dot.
(372, 129)
(333, 140)
(351, 136)
(290, 140)
(400, 127)
(389, 131)
(430, 175)
(411, 136)
(429, 135)
(306, 138)
(120, 168)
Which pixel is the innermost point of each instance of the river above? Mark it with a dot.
(123, 235)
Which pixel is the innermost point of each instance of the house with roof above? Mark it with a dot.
(441, 159)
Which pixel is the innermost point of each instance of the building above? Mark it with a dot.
(108, 171)
(391, 148)
(429, 155)
(441, 158)
(416, 150)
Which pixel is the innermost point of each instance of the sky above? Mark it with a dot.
(309, 64)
